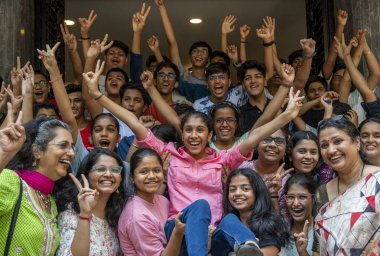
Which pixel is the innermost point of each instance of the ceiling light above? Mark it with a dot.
(69, 22)
(195, 21)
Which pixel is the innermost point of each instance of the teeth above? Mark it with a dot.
(106, 182)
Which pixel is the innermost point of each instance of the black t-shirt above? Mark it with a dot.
(313, 116)
(249, 115)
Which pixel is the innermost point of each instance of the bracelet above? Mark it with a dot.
(101, 95)
(55, 80)
(85, 218)
(135, 145)
(268, 44)
(287, 85)
(308, 56)
(85, 38)
(367, 53)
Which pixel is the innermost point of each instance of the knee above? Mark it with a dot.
(203, 206)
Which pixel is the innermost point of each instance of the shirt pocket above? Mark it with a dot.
(211, 174)
(181, 171)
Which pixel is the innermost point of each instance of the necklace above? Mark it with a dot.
(45, 200)
(361, 174)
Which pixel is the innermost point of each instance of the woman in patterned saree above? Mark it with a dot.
(348, 219)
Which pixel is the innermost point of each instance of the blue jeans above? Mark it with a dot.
(197, 217)
(229, 234)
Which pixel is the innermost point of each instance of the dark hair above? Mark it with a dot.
(71, 88)
(345, 125)
(137, 87)
(167, 64)
(302, 179)
(120, 45)
(39, 132)
(340, 108)
(112, 70)
(221, 54)
(251, 64)
(315, 79)
(196, 114)
(67, 197)
(295, 54)
(232, 106)
(200, 44)
(105, 115)
(263, 222)
(339, 64)
(217, 67)
(165, 133)
(182, 109)
(368, 120)
(40, 72)
(138, 156)
(152, 58)
(44, 105)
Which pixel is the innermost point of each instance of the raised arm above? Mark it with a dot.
(27, 77)
(3, 103)
(372, 64)
(260, 133)
(359, 81)
(71, 44)
(267, 41)
(91, 80)
(154, 46)
(15, 76)
(244, 32)
(85, 26)
(328, 65)
(161, 105)
(63, 102)
(270, 24)
(170, 36)
(228, 25)
(303, 73)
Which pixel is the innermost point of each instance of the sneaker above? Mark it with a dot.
(248, 250)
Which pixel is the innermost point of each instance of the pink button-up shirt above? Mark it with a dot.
(190, 179)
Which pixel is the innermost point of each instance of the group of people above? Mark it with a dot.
(171, 160)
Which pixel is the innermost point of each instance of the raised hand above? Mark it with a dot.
(232, 53)
(16, 72)
(92, 80)
(342, 16)
(294, 104)
(12, 137)
(27, 77)
(270, 24)
(48, 56)
(308, 46)
(87, 197)
(16, 101)
(341, 48)
(264, 34)
(69, 39)
(159, 2)
(288, 74)
(153, 43)
(97, 47)
(302, 238)
(225, 171)
(148, 121)
(352, 116)
(139, 18)
(244, 32)
(147, 79)
(360, 36)
(228, 24)
(166, 157)
(85, 24)
(275, 182)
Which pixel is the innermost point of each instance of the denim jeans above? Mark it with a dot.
(197, 218)
(229, 234)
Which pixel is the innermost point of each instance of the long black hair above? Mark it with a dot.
(263, 222)
(67, 197)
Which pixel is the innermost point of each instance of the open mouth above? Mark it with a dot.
(335, 159)
(106, 182)
(115, 62)
(65, 162)
(297, 212)
(104, 143)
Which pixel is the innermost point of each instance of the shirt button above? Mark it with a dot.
(18, 250)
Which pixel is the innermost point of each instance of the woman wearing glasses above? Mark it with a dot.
(43, 159)
(299, 191)
(350, 203)
(92, 202)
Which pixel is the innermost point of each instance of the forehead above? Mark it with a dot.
(239, 180)
(200, 48)
(107, 160)
(105, 121)
(166, 70)
(63, 135)
(224, 112)
(133, 93)
(278, 133)
(315, 86)
(218, 59)
(149, 161)
(46, 112)
(75, 95)
(39, 77)
(194, 121)
(219, 74)
(253, 72)
(116, 49)
(297, 188)
(331, 133)
(370, 127)
(306, 144)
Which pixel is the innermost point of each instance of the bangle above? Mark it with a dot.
(308, 56)
(268, 44)
(101, 95)
(85, 38)
(135, 145)
(55, 80)
(85, 218)
(368, 52)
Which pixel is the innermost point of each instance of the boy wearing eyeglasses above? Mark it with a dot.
(41, 88)
(218, 81)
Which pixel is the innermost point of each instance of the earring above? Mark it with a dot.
(117, 191)
(34, 164)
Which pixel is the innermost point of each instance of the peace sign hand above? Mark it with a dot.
(87, 197)
(12, 137)
(92, 80)
(275, 182)
(48, 56)
(302, 239)
(139, 18)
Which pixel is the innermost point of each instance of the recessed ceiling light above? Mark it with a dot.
(69, 22)
(196, 21)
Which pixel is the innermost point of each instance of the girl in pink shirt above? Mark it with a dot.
(195, 169)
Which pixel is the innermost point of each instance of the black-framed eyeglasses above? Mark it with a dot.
(65, 146)
(163, 75)
(41, 83)
(102, 169)
(277, 140)
(229, 120)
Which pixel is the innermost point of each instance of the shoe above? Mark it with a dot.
(248, 250)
